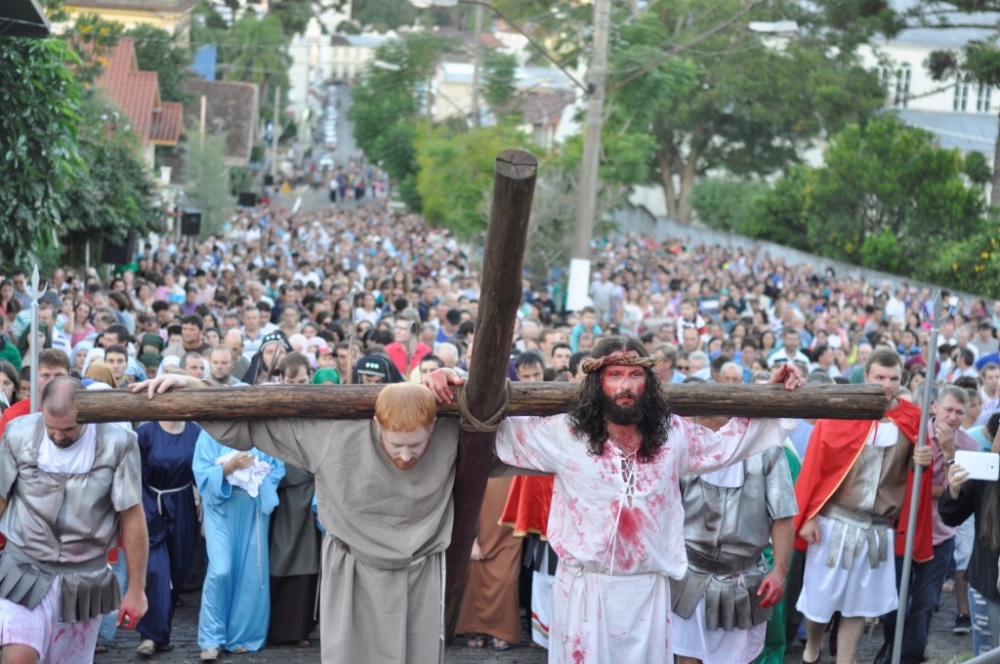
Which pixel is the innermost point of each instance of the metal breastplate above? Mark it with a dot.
(876, 482)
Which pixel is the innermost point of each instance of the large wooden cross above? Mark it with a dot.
(503, 260)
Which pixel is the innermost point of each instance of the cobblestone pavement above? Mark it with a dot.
(944, 647)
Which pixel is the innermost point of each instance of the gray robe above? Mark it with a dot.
(382, 595)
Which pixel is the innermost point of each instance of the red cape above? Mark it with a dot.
(833, 448)
(527, 507)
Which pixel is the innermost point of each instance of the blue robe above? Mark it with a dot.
(236, 600)
(171, 518)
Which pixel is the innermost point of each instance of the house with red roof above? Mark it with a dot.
(137, 94)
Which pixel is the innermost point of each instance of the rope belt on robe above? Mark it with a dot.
(849, 529)
(159, 495)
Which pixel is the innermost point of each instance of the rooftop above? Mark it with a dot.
(969, 132)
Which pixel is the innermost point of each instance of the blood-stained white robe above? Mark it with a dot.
(618, 540)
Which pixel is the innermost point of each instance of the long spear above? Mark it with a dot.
(35, 294)
(904, 585)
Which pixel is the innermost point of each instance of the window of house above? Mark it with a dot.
(961, 100)
(903, 79)
(983, 96)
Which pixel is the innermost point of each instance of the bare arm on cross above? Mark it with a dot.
(136, 541)
(772, 588)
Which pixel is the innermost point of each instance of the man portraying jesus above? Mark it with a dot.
(617, 518)
(384, 490)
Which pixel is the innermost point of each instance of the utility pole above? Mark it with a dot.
(274, 134)
(587, 203)
(477, 66)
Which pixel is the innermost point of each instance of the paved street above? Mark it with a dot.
(944, 648)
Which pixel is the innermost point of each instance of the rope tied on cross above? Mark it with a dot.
(469, 422)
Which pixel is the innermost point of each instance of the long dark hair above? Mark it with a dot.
(989, 520)
(587, 417)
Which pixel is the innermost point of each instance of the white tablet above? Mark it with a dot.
(981, 465)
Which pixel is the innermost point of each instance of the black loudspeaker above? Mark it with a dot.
(247, 199)
(268, 180)
(191, 222)
(120, 253)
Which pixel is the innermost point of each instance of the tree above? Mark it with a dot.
(978, 62)
(255, 50)
(715, 95)
(498, 70)
(157, 50)
(206, 178)
(387, 103)
(725, 203)
(886, 196)
(456, 173)
(41, 160)
(116, 195)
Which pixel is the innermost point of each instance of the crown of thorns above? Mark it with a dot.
(620, 358)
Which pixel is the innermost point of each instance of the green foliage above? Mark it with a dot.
(116, 194)
(725, 203)
(157, 50)
(92, 39)
(976, 168)
(207, 178)
(383, 15)
(734, 101)
(889, 199)
(498, 72)
(386, 105)
(456, 174)
(40, 160)
(255, 50)
(293, 14)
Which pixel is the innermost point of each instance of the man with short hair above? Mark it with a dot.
(990, 391)
(56, 580)
(852, 499)
(449, 355)
(666, 365)
(529, 367)
(295, 370)
(252, 333)
(945, 436)
(790, 351)
(559, 356)
(52, 363)
(192, 339)
(233, 339)
(116, 357)
(386, 505)
(194, 364)
(220, 366)
(730, 374)
(690, 339)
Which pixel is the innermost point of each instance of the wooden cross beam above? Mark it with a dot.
(353, 402)
(513, 189)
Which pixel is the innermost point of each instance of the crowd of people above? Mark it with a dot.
(369, 295)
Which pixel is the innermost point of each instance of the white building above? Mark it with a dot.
(961, 114)
(350, 54)
(543, 95)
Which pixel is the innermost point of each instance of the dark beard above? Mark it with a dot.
(617, 414)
